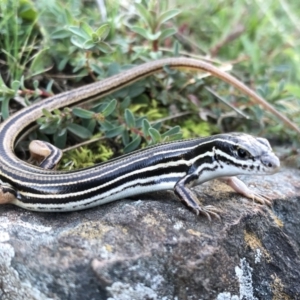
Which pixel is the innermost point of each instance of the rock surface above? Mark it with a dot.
(155, 248)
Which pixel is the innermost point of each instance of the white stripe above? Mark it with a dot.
(123, 191)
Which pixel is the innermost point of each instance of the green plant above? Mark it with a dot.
(111, 119)
(18, 37)
(86, 156)
(152, 22)
(67, 42)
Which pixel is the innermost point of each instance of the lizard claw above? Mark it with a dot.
(209, 211)
(264, 200)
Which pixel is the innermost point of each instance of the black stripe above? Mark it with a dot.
(157, 173)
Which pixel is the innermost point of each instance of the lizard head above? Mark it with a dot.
(245, 154)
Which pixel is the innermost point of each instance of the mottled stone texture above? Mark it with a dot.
(155, 248)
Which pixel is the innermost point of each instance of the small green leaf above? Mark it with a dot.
(155, 36)
(145, 127)
(56, 111)
(39, 121)
(129, 118)
(144, 13)
(44, 126)
(5, 107)
(142, 31)
(125, 137)
(106, 125)
(89, 44)
(173, 137)
(62, 131)
(4, 89)
(87, 28)
(155, 135)
(79, 131)
(21, 82)
(173, 130)
(79, 32)
(135, 90)
(15, 85)
(157, 125)
(104, 47)
(97, 69)
(60, 34)
(262, 91)
(60, 139)
(146, 33)
(35, 84)
(113, 68)
(68, 18)
(95, 38)
(114, 132)
(125, 103)
(78, 42)
(49, 86)
(103, 31)
(91, 125)
(176, 49)
(133, 144)
(139, 121)
(62, 63)
(46, 113)
(109, 108)
(83, 113)
(167, 15)
(167, 32)
(40, 62)
(27, 11)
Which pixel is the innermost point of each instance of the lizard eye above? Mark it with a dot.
(242, 153)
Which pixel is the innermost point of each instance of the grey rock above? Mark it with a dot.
(155, 248)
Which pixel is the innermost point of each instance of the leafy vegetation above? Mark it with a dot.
(51, 46)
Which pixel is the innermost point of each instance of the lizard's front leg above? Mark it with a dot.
(188, 197)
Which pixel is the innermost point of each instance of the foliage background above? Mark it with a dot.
(47, 47)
